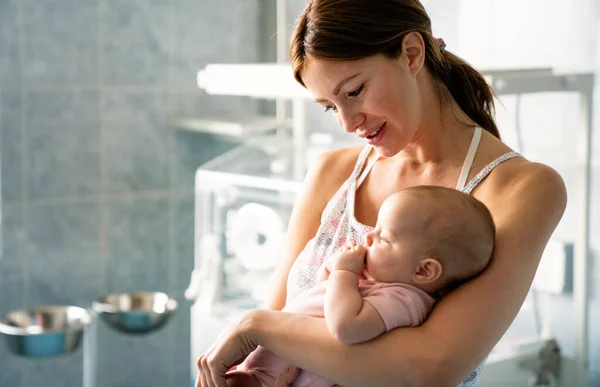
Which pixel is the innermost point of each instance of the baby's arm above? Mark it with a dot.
(349, 318)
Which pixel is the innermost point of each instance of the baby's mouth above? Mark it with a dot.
(363, 273)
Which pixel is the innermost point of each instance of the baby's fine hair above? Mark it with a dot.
(460, 230)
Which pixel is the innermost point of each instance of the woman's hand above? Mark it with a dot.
(231, 348)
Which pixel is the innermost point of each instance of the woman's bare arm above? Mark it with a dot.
(306, 216)
(464, 326)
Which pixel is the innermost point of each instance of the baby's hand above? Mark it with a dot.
(350, 257)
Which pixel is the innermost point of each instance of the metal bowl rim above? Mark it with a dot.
(103, 307)
(7, 329)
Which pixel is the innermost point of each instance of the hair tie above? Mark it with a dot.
(442, 45)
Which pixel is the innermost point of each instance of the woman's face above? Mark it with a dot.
(376, 98)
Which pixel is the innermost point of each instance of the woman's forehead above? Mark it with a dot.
(325, 72)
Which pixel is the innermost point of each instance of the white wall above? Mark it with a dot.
(562, 35)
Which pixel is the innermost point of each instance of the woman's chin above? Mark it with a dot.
(386, 152)
(391, 147)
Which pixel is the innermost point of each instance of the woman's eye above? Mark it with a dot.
(328, 108)
(356, 92)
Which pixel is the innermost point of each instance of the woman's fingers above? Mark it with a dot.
(209, 373)
(203, 372)
(232, 346)
(216, 378)
(198, 380)
(201, 380)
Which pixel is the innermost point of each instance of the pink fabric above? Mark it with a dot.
(398, 305)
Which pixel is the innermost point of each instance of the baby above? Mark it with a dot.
(427, 241)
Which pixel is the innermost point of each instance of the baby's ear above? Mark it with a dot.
(429, 270)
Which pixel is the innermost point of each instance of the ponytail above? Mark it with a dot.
(468, 88)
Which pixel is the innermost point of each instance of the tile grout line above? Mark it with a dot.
(122, 197)
(103, 229)
(24, 152)
(103, 232)
(23, 250)
(173, 253)
(87, 87)
(121, 88)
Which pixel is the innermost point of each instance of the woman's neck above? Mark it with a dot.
(445, 132)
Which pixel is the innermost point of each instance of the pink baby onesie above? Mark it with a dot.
(399, 305)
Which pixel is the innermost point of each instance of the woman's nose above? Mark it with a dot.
(350, 120)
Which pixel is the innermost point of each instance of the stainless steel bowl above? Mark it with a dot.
(139, 312)
(44, 331)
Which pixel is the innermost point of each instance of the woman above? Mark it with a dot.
(421, 109)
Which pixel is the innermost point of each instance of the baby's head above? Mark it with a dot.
(432, 237)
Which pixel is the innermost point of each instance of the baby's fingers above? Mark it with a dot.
(359, 248)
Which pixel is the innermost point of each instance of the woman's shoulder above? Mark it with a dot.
(523, 181)
(535, 179)
(326, 174)
(333, 167)
(517, 178)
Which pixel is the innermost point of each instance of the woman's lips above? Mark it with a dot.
(378, 136)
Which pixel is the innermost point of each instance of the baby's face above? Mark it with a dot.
(391, 246)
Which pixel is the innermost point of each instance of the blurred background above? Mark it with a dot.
(103, 127)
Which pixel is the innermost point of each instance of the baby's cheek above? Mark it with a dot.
(371, 254)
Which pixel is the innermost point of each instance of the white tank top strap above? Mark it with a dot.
(367, 169)
(468, 163)
(360, 162)
(488, 169)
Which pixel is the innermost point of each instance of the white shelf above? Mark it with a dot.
(228, 126)
(274, 80)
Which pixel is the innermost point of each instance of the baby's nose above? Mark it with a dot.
(368, 239)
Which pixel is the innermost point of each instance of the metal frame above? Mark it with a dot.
(542, 81)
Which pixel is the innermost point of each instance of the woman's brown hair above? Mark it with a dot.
(356, 29)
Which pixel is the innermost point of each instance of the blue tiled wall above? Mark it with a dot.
(97, 186)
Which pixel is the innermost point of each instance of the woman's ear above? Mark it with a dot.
(413, 47)
(429, 270)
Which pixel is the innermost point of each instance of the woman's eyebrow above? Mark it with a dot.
(339, 86)
(337, 89)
